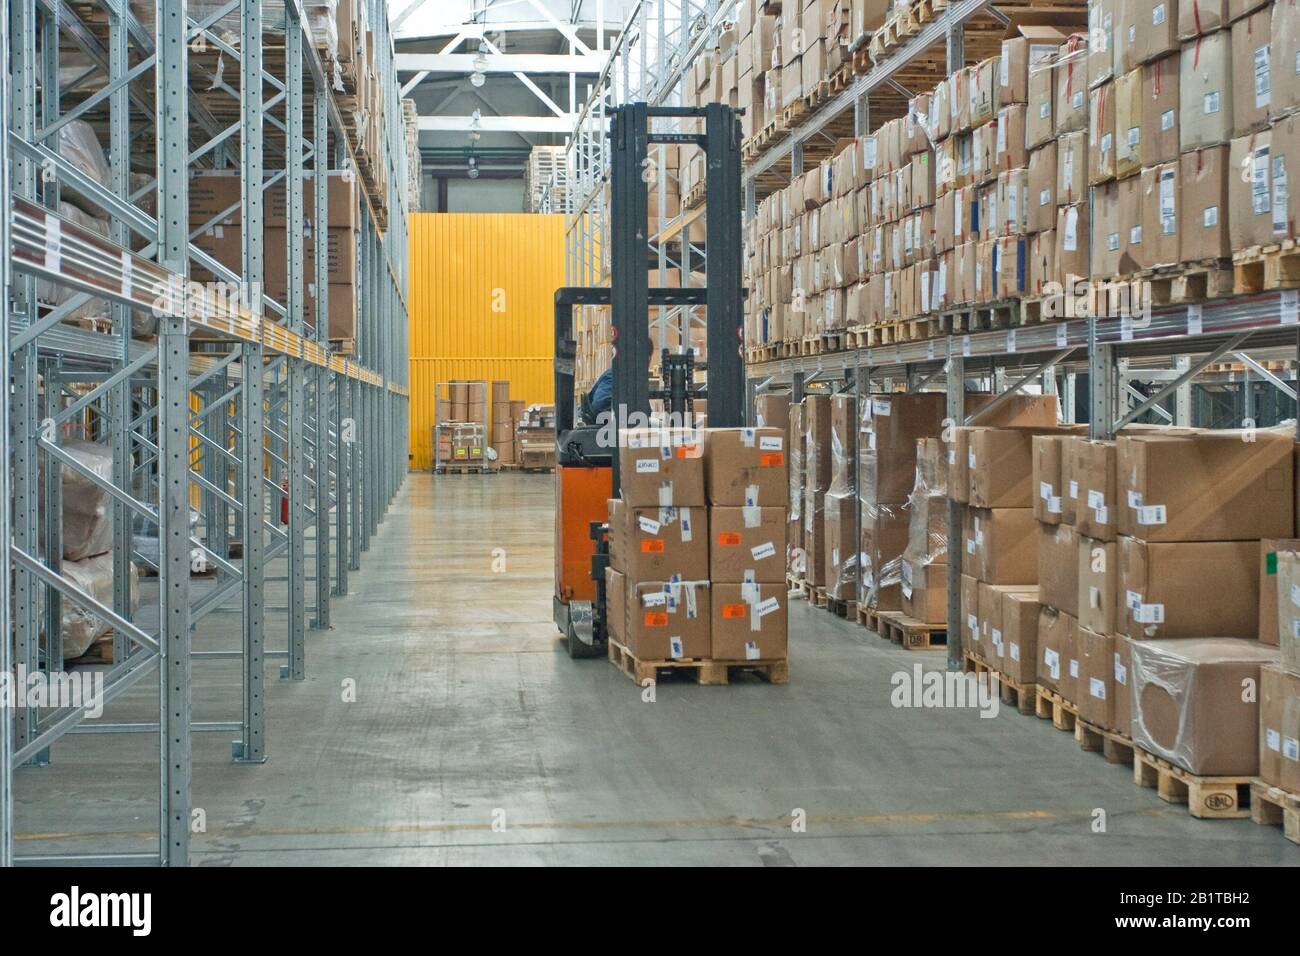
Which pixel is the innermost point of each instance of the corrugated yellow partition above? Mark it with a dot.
(481, 307)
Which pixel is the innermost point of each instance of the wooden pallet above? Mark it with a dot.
(1050, 705)
(1114, 746)
(1011, 692)
(695, 198)
(1265, 268)
(1273, 806)
(844, 609)
(911, 634)
(794, 584)
(816, 596)
(703, 671)
(833, 341)
(463, 468)
(872, 620)
(1207, 798)
(1189, 282)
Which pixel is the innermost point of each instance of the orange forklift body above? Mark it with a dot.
(581, 497)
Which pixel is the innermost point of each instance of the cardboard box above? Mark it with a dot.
(1252, 89)
(668, 621)
(1128, 107)
(662, 467)
(1159, 142)
(1000, 467)
(1206, 486)
(1189, 707)
(1155, 30)
(1203, 177)
(1040, 127)
(1070, 112)
(747, 544)
(1096, 682)
(1284, 49)
(1042, 188)
(1072, 168)
(1042, 261)
(970, 630)
(1005, 548)
(841, 546)
(1056, 641)
(1071, 250)
(1048, 490)
(1269, 596)
(1101, 134)
(1279, 724)
(1107, 259)
(924, 588)
(1259, 211)
(883, 541)
(1163, 588)
(749, 623)
(666, 543)
(1097, 508)
(887, 445)
(1288, 610)
(1205, 91)
(746, 466)
(1020, 613)
(1058, 568)
(1158, 198)
(1123, 671)
(1098, 565)
(1200, 17)
(616, 604)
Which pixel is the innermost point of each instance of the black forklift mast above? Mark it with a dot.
(629, 294)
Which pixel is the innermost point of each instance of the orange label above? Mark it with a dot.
(652, 546)
(772, 459)
(688, 451)
(728, 539)
(734, 610)
(656, 618)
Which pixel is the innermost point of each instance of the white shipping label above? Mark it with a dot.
(1101, 514)
(1054, 505)
(1053, 661)
(1290, 313)
(1167, 120)
(1262, 83)
(1070, 241)
(1096, 499)
(1014, 650)
(972, 625)
(1273, 740)
(1105, 143)
(1112, 242)
(1076, 101)
(1121, 672)
(751, 651)
(881, 407)
(1004, 67)
(1132, 600)
(1152, 514)
(1135, 236)
(1260, 199)
(646, 466)
(1011, 340)
(1062, 334)
(1097, 688)
(1210, 217)
(1150, 614)
(952, 457)
(1074, 668)
(1195, 324)
(1134, 499)
(1045, 109)
(1134, 137)
(1045, 490)
(764, 608)
(675, 649)
(1157, 14)
(1210, 103)
(1295, 594)
(686, 525)
(1291, 748)
(1002, 132)
(1280, 195)
(1044, 197)
(970, 460)
(1074, 491)
(648, 525)
(654, 599)
(771, 443)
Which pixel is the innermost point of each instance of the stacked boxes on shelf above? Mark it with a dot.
(697, 545)
(534, 435)
(1074, 154)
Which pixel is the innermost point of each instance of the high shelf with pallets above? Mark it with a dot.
(233, 427)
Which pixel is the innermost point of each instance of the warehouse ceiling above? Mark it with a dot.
(497, 77)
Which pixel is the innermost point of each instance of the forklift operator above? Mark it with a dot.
(601, 396)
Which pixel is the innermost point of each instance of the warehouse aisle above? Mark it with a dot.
(474, 739)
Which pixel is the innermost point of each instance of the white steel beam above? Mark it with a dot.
(498, 63)
(497, 124)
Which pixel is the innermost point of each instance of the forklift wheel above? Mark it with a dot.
(580, 617)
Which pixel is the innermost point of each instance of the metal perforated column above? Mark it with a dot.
(320, 161)
(296, 668)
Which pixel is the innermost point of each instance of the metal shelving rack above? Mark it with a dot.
(1171, 350)
(238, 403)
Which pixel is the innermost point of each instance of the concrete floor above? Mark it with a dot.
(474, 739)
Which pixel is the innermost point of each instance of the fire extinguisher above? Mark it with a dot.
(284, 503)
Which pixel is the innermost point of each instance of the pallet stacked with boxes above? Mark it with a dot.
(1276, 794)
(696, 579)
(1102, 150)
(461, 429)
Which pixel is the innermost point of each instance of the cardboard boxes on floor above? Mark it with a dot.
(698, 544)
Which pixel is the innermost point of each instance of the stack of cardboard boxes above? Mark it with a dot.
(215, 207)
(505, 418)
(923, 572)
(1279, 694)
(697, 545)
(462, 415)
(841, 503)
(981, 192)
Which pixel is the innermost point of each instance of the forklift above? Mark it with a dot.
(586, 468)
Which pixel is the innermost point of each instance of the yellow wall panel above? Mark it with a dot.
(481, 307)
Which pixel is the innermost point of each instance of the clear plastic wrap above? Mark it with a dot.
(80, 627)
(79, 145)
(322, 20)
(1190, 706)
(844, 446)
(841, 545)
(927, 534)
(87, 514)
